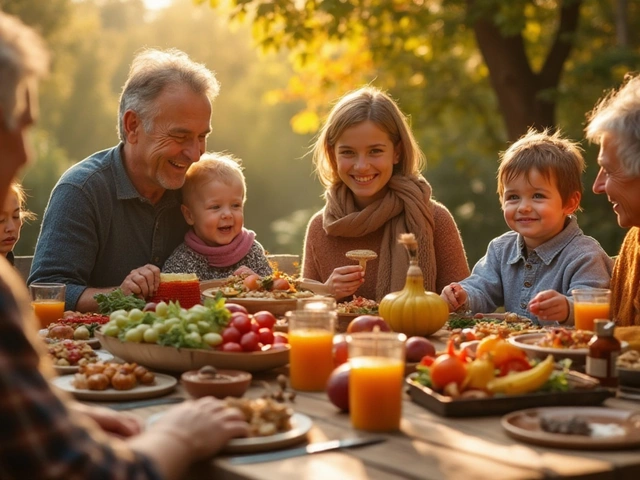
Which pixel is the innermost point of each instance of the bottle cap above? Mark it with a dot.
(604, 328)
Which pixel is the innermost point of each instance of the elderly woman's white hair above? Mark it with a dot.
(618, 113)
(23, 59)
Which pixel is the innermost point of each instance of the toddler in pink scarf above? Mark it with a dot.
(217, 244)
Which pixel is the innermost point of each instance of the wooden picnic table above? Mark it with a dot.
(427, 446)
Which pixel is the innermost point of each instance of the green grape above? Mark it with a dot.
(117, 313)
(192, 327)
(204, 327)
(171, 322)
(160, 327)
(143, 327)
(111, 330)
(150, 335)
(162, 309)
(135, 315)
(133, 335)
(194, 337)
(212, 339)
(122, 320)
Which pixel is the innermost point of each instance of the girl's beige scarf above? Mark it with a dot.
(406, 208)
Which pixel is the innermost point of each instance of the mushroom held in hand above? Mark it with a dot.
(362, 256)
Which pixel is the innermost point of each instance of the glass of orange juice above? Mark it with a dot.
(311, 354)
(47, 300)
(317, 302)
(375, 380)
(590, 304)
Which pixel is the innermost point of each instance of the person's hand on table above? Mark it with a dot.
(454, 295)
(550, 306)
(204, 425)
(142, 282)
(244, 270)
(121, 424)
(345, 281)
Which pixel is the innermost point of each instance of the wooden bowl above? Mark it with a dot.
(225, 383)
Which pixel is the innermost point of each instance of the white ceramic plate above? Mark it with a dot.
(163, 384)
(300, 426)
(525, 425)
(158, 357)
(528, 341)
(92, 342)
(103, 356)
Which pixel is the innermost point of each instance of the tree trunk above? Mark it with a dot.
(622, 27)
(525, 97)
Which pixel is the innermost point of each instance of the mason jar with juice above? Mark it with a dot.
(590, 304)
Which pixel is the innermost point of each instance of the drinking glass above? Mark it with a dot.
(590, 304)
(47, 300)
(311, 354)
(317, 303)
(377, 361)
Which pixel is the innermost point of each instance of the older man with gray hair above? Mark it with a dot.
(114, 218)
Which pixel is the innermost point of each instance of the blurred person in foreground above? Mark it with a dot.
(114, 218)
(48, 436)
(614, 124)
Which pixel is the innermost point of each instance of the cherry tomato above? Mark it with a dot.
(265, 319)
(231, 347)
(241, 321)
(265, 335)
(250, 342)
(231, 335)
(252, 282)
(280, 338)
(448, 368)
(281, 284)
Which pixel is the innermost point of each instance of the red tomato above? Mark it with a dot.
(231, 347)
(250, 342)
(468, 335)
(231, 335)
(281, 284)
(254, 326)
(241, 321)
(252, 282)
(427, 360)
(280, 338)
(514, 365)
(265, 319)
(265, 335)
(448, 368)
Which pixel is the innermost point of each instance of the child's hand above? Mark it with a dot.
(454, 295)
(550, 306)
(344, 281)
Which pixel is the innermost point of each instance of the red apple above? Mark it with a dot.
(366, 323)
(418, 347)
(338, 387)
(340, 350)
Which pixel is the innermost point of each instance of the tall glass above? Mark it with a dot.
(317, 303)
(311, 354)
(47, 300)
(590, 304)
(375, 380)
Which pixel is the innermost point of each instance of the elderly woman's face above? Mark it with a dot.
(622, 190)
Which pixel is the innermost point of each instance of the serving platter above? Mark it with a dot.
(253, 305)
(615, 429)
(163, 385)
(583, 390)
(158, 357)
(103, 356)
(300, 426)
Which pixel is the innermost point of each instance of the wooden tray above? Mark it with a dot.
(583, 391)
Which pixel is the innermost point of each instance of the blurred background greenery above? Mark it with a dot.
(470, 74)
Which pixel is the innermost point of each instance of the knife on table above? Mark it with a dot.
(312, 448)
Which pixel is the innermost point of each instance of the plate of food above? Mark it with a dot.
(583, 428)
(347, 311)
(69, 355)
(272, 425)
(162, 385)
(559, 342)
(582, 390)
(167, 358)
(75, 326)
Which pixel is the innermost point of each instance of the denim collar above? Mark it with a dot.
(548, 250)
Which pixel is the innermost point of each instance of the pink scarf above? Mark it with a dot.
(223, 256)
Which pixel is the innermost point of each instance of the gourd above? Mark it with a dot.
(413, 311)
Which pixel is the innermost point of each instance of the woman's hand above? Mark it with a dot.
(345, 281)
(550, 306)
(142, 282)
(454, 295)
(244, 270)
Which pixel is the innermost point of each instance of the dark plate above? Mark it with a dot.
(583, 391)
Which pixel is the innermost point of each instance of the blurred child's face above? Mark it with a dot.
(533, 207)
(365, 158)
(10, 223)
(215, 210)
